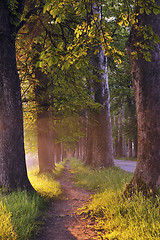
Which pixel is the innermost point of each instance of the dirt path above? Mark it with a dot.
(62, 223)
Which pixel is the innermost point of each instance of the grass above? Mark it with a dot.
(46, 184)
(126, 158)
(116, 217)
(99, 180)
(20, 211)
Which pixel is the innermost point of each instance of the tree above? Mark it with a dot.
(123, 110)
(48, 79)
(13, 172)
(146, 81)
(99, 150)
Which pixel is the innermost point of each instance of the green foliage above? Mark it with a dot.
(146, 40)
(58, 42)
(69, 130)
(148, 6)
(12, 5)
(122, 99)
(14, 12)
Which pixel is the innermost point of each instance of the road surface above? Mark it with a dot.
(126, 165)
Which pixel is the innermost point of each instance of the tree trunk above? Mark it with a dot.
(100, 151)
(44, 117)
(146, 81)
(130, 151)
(115, 125)
(13, 173)
(120, 135)
(45, 156)
(58, 152)
(102, 132)
(124, 147)
(135, 147)
(89, 141)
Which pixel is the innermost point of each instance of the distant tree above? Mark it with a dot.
(123, 109)
(99, 148)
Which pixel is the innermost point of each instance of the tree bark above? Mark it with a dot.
(130, 150)
(44, 129)
(120, 136)
(146, 81)
(13, 173)
(102, 132)
(89, 141)
(135, 147)
(45, 155)
(100, 151)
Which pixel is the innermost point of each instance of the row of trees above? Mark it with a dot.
(62, 61)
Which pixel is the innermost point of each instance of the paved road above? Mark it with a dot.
(126, 165)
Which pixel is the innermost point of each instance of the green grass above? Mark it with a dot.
(46, 184)
(126, 158)
(99, 180)
(116, 217)
(21, 211)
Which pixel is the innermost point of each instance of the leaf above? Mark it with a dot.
(58, 19)
(47, 7)
(41, 64)
(37, 64)
(141, 10)
(148, 11)
(120, 23)
(156, 11)
(147, 56)
(156, 39)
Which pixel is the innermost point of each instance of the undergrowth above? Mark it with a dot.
(20, 211)
(99, 180)
(116, 217)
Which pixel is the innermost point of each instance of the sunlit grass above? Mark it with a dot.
(23, 208)
(124, 219)
(45, 184)
(7, 230)
(116, 217)
(112, 178)
(20, 210)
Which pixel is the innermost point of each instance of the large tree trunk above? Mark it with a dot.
(146, 80)
(13, 173)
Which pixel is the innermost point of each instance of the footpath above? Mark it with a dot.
(61, 220)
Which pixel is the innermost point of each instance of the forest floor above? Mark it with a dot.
(61, 220)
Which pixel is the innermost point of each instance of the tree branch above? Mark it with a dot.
(30, 13)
